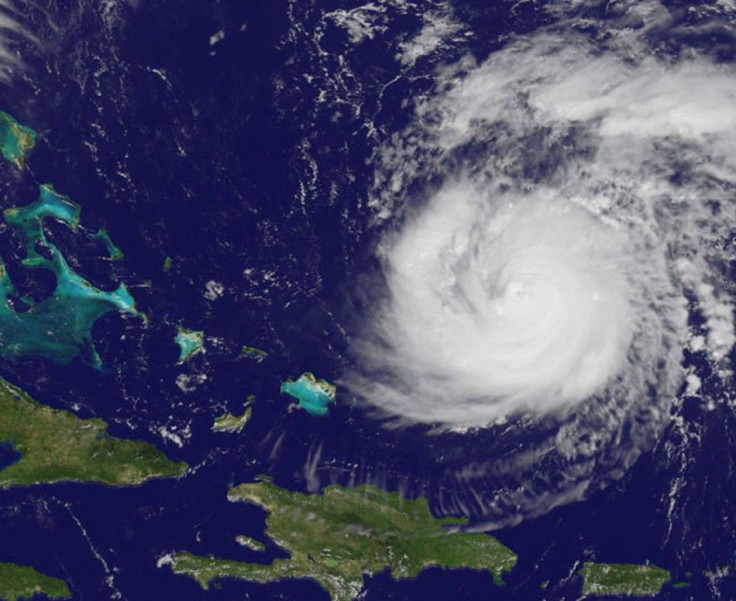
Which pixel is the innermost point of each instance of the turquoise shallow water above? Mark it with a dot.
(58, 327)
(190, 342)
(310, 393)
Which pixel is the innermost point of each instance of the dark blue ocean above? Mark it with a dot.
(219, 156)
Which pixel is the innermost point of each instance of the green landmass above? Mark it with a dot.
(227, 422)
(253, 353)
(314, 395)
(22, 582)
(58, 327)
(167, 264)
(15, 139)
(622, 579)
(55, 445)
(190, 342)
(337, 536)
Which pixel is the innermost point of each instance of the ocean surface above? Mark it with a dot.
(189, 131)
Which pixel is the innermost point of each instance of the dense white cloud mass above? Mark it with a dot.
(551, 215)
(501, 302)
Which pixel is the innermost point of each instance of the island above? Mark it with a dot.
(23, 582)
(190, 342)
(250, 352)
(249, 543)
(622, 579)
(313, 395)
(336, 537)
(59, 326)
(234, 424)
(52, 445)
(113, 251)
(15, 139)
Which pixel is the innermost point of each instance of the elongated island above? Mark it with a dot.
(632, 580)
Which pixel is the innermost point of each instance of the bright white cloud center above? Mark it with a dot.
(512, 304)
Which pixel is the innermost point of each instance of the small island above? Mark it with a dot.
(256, 354)
(52, 445)
(23, 582)
(15, 139)
(190, 343)
(622, 579)
(313, 395)
(113, 251)
(249, 543)
(233, 424)
(336, 537)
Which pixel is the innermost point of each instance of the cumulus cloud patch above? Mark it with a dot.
(12, 30)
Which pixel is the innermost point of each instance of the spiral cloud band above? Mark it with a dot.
(572, 200)
(556, 230)
(507, 304)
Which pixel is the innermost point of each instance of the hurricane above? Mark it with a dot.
(555, 224)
